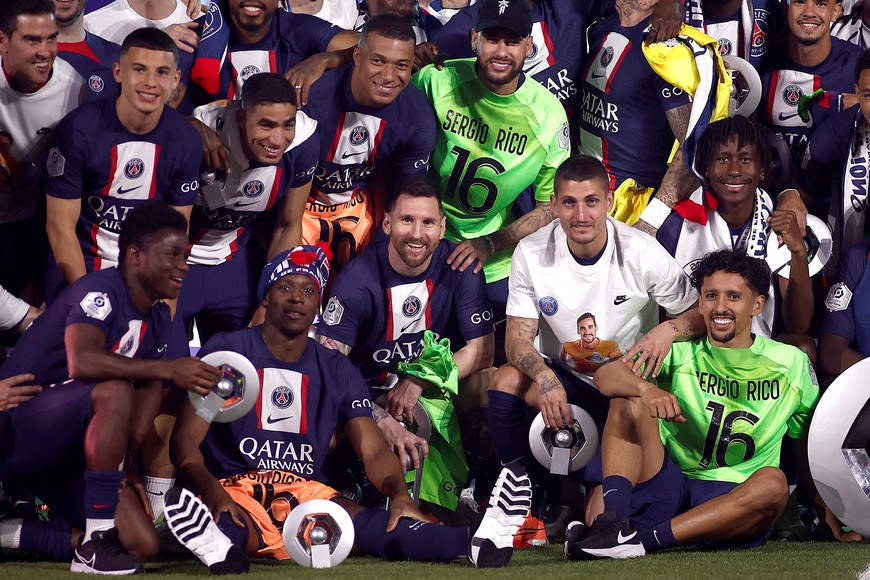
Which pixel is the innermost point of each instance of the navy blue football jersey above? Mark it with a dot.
(382, 315)
(93, 59)
(847, 306)
(299, 408)
(102, 300)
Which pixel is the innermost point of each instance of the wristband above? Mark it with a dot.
(489, 244)
(655, 213)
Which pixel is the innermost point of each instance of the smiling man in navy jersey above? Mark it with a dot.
(91, 55)
(97, 352)
(143, 151)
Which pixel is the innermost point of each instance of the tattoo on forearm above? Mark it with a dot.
(688, 328)
(674, 326)
(378, 413)
(510, 235)
(333, 344)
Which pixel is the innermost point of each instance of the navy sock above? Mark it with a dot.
(617, 495)
(101, 493)
(411, 540)
(52, 539)
(238, 536)
(508, 428)
(658, 537)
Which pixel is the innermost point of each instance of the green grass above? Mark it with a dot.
(788, 560)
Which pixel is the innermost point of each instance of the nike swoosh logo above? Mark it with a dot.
(597, 75)
(608, 491)
(89, 561)
(157, 493)
(122, 191)
(345, 155)
(787, 117)
(410, 324)
(247, 204)
(619, 300)
(623, 539)
(271, 421)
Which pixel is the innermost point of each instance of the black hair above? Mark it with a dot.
(862, 64)
(6, 134)
(587, 315)
(754, 270)
(582, 168)
(390, 26)
(718, 133)
(10, 10)
(267, 88)
(149, 39)
(142, 224)
(417, 186)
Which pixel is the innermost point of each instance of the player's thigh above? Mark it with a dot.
(660, 498)
(511, 380)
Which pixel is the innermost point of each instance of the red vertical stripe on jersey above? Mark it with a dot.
(612, 74)
(95, 228)
(273, 195)
(774, 87)
(234, 245)
(303, 405)
(273, 63)
(605, 159)
(551, 60)
(231, 91)
(336, 138)
(389, 314)
(430, 289)
(381, 126)
(113, 166)
(154, 172)
(260, 400)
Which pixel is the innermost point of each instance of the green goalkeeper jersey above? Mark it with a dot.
(489, 149)
(738, 404)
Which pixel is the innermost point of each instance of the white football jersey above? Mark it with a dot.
(116, 20)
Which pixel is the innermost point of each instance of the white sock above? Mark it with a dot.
(94, 525)
(155, 488)
(10, 533)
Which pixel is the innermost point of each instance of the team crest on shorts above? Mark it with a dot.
(792, 94)
(253, 188)
(725, 46)
(359, 135)
(839, 297)
(411, 306)
(96, 305)
(606, 56)
(282, 397)
(548, 305)
(248, 72)
(134, 168)
(96, 83)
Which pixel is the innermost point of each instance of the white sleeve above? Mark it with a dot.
(669, 285)
(12, 310)
(521, 292)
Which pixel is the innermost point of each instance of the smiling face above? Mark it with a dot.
(67, 12)
(415, 227)
(728, 303)
(587, 328)
(500, 57)
(29, 53)
(810, 20)
(734, 174)
(582, 207)
(252, 15)
(147, 79)
(382, 69)
(161, 265)
(291, 304)
(267, 130)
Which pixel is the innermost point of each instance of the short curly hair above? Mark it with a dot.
(755, 271)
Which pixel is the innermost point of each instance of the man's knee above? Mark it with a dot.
(115, 397)
(767, 491)
(510, 380)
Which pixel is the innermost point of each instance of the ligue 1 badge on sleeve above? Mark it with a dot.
(333, 312)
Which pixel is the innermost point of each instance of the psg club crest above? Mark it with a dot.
(411, 306)
(792, 94)
(359, 135)
(253, 188)
(134, 168)
(126, 347)
(548, 305)
(606, 56)
(724, 46)
(282, 397)
(96, 83)
(248, 72)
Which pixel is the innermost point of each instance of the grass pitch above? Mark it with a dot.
(787, 560)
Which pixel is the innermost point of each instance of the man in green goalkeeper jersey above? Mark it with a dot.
(694, 459)
(501, 133)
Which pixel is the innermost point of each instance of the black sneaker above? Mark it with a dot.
(104, 554)
(574, 534)
(192, 524)
(609, 537)
(509, 505)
